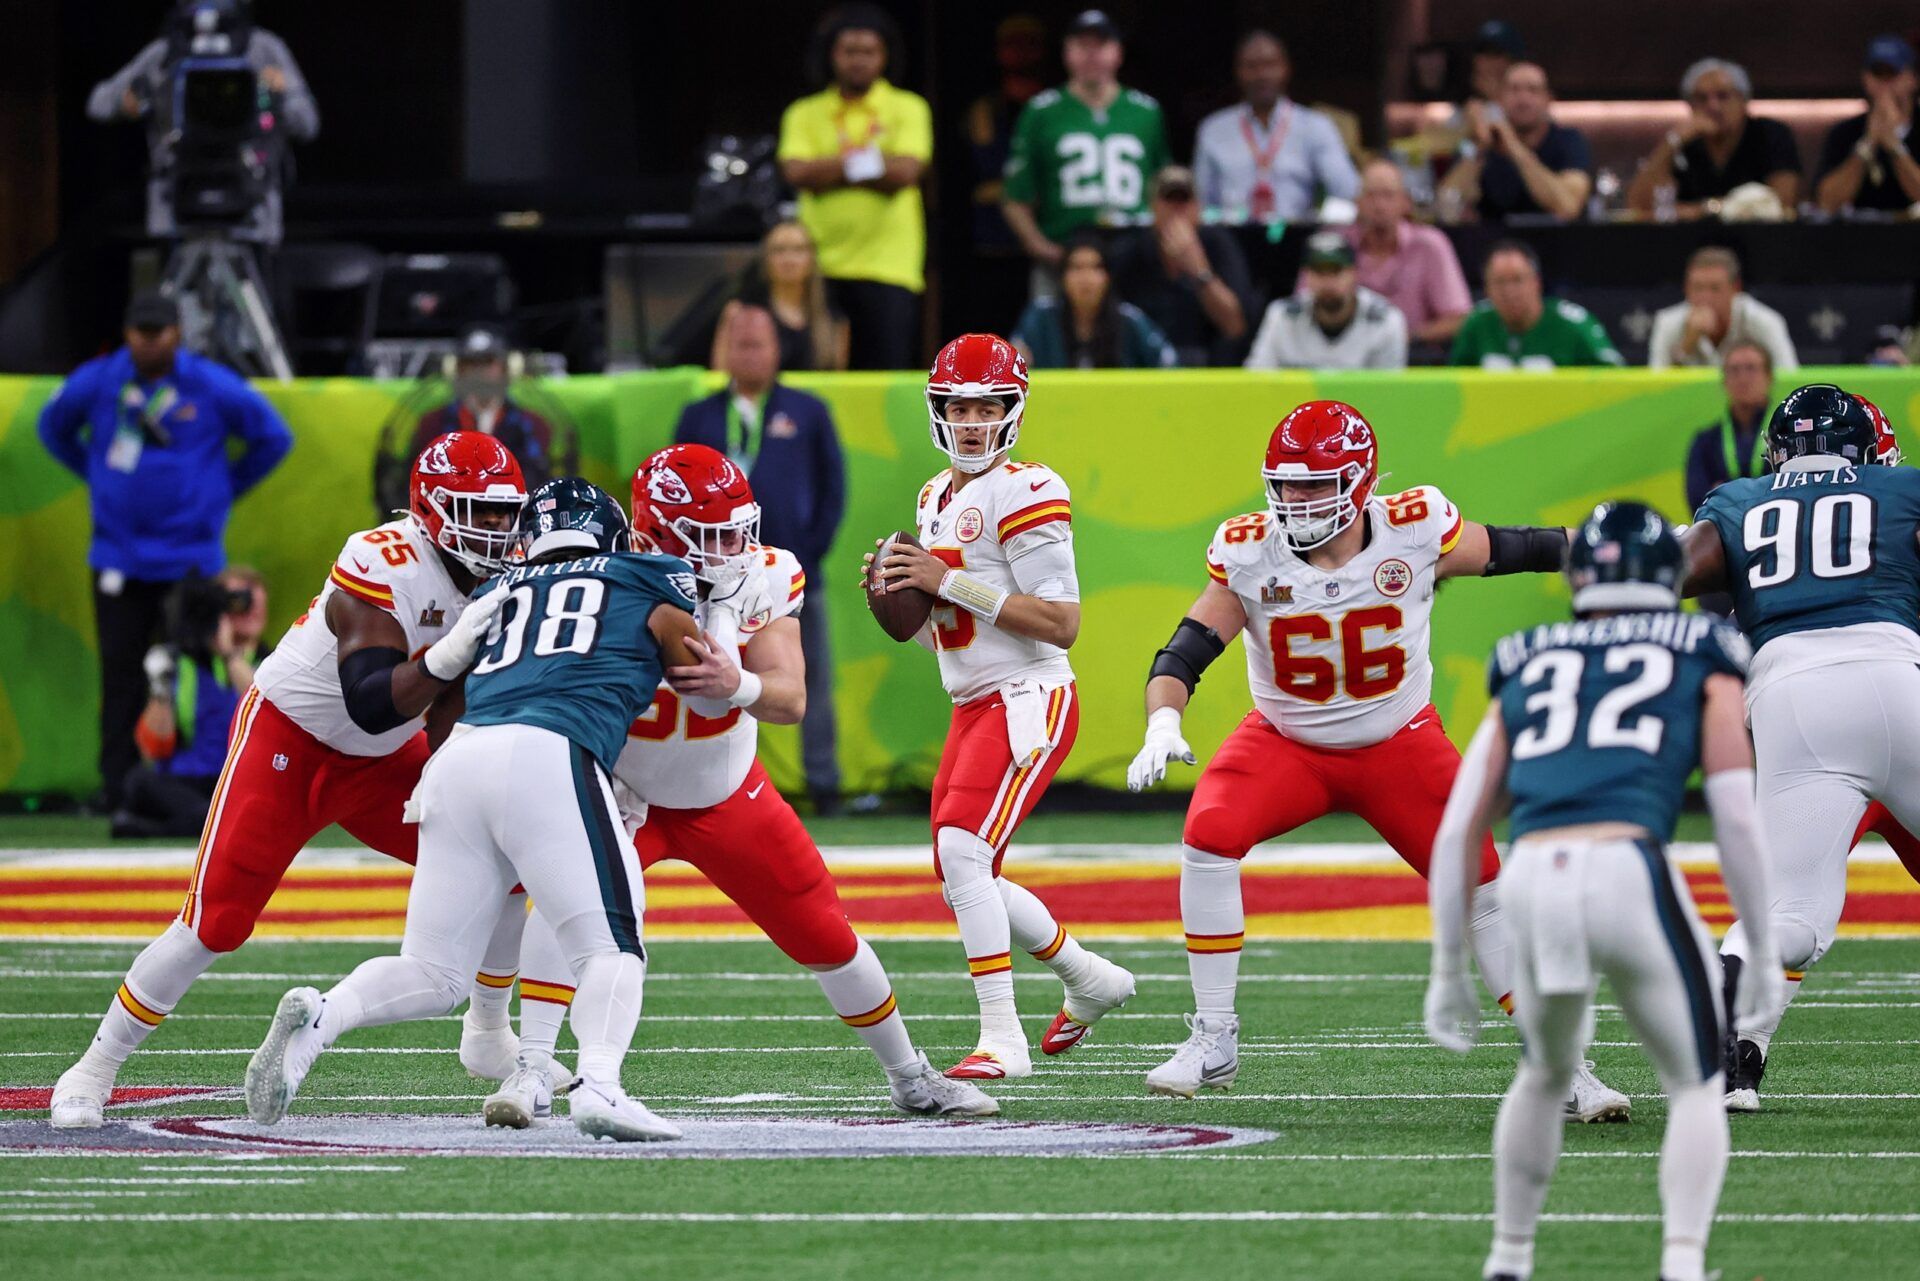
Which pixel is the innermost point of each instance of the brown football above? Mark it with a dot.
(900, 613)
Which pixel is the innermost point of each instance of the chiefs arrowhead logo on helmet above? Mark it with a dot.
(466, 493)
(691, 501)
(1322, 465)
(976, 367)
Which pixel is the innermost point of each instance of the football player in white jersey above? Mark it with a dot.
(692, 789)
(1331, 588)
(334, 731)
(998, 539)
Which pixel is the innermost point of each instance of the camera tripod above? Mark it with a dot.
(223, 305)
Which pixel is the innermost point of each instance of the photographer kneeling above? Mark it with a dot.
(195, 682)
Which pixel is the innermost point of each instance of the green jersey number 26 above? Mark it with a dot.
(1101, 172)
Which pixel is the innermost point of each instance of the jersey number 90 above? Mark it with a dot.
(570, 624)
(1838, 542)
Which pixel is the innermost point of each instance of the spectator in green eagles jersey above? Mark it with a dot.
(1082, 153)
(1518, 327)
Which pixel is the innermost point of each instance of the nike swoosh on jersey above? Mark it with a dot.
(1417, 724)
(365, 569)
(1037, 486)
(753, 793)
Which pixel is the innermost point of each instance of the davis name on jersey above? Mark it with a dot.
(677, 758)
(1000, 528)
(1340, 658)
(1603, 715)
(395, 568)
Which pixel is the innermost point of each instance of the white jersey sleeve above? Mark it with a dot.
(1011, 527)
(678, 759)
(394, 568)
(1340, 657)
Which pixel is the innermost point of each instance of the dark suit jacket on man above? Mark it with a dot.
(798, 476)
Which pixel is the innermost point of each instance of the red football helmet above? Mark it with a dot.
(692, 501)
(459, 478)
(977, 367)
(1886, 445)
(1322, 440)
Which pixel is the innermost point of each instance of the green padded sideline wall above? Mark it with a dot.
(1155, 460)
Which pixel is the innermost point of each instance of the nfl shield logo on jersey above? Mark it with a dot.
(280, 760)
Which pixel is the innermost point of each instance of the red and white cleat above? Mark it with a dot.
(994, 1060)
(1106, 988)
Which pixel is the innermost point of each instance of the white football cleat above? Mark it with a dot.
(488, 1053)
(1106, 987)
(996, 1058)
(80, 1099)
(604, 1111)
(1594, 1100)
(277, 1068)
(1208, 1060)
(523, 1098)
(927, 1093)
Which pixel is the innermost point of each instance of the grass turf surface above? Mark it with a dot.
(1331, 1052)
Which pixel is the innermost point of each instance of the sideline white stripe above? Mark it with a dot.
(517, 1217)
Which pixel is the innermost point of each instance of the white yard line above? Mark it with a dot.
(520, 1217)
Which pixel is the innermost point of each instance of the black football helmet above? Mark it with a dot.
(1624, 557)
(1819, 418)
(570, 515)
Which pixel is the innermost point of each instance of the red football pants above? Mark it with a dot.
(280, 788)
(1262, 784)
(755, 850)
(978, 787)
(1879, 818)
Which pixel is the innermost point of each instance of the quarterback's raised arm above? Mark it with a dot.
(1484, 551)
(1202, 636)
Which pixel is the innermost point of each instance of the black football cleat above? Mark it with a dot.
(1747, 1064)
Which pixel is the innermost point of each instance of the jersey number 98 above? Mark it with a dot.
(570, 625)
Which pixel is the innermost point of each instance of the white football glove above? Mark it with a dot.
(1453, 1008)
(1761, 994)
(1163, 744)
(454, 653)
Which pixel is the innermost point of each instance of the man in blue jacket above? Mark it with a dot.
(786, 442)
(147, 429)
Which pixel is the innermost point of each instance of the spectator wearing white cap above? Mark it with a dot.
(1333, 322)
(1865, 163)
(1269, 158)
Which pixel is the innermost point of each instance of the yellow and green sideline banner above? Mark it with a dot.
(1155, 460)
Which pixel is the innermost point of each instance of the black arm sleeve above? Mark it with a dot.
(1523, 549)
(1186, 655)
(366, 681)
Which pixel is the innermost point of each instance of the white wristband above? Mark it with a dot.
(974, 595)
(749, 692)
(1164, 716)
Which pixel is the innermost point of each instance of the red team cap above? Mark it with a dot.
(1886, 449)
(456, 477)
(694, 502)
(977, 367)
(1322, 440)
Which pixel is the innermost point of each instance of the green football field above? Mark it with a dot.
(1348, 1148)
